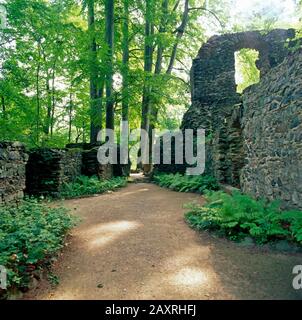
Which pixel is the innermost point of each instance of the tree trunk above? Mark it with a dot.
(125, 93)
(46, 128)
(94, 112)
(180, 32)
(84, 133)
(157, 71)
(70, 116)
(148, 59)
(3, 107)
(38, 96)
(53, 101)
(109, 9)
(159, 59)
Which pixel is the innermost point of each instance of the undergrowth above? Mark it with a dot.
(30, 235)
(184, 183)
(85, 186)
(237, 216)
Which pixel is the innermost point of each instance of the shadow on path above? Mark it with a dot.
(134, 244)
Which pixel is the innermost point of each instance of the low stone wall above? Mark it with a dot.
(272, 133)
(48, 169)
(91, 166)
(13, 159)
(72, 166)
(43, 171)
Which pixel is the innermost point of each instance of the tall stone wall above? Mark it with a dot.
(13, 159)
(213, 70)
(253, 140)
(214, 96)
(272, 135)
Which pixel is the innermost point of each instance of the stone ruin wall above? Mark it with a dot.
(92, 167)
(48, 169)
(254, 139)
(13, 159)
(43, 171)
(272, 135)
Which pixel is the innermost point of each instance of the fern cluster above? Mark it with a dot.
(85, 186)
(237, 216)
(183, 183)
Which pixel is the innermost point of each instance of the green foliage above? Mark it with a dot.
(84, 186)
(42, 75)
(246, 70)
(182, 183)
(30, 235)
(237, 216)
(46, 68)
(46, 65)
(53, 279)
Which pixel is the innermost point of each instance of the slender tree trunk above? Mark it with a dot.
(109, 9)
(180, 32)
(176, 5)
(148, 59)
(70, 115)
(3, 107)
(94, 112)
(158, 71)
(79, 133)
(84, 132)
(159, 59)
(125, 98)
(38, 104)
(48, 116)
(146, 99)
(53, 101)
(101, 86)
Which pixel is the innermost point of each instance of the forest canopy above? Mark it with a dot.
(69, 68)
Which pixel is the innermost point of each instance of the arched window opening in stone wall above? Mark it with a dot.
(246, 71)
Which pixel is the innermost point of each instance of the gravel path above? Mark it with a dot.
(134, 244)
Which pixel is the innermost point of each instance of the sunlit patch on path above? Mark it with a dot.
(135, 244)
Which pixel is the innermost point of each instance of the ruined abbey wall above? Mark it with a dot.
(272, 134)
(13, 159)
(44, 171)
(253, 140)
(48, 169)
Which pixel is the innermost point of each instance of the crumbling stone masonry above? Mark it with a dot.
(48, 169)
(254, 139)
(92, 167)
(43, 171)
(12, 171)
(272, 135)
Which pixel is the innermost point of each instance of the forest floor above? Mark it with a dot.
(135, 244)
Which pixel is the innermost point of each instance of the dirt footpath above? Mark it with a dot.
(134, 244)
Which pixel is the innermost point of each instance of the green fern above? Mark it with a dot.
(84, 186)
(239, 215)
(183, 183)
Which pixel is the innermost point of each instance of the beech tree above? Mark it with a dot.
(69, 68)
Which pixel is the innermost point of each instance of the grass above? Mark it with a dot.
(237, 216)
(183, 183)
(30, 235)
(87, 186)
